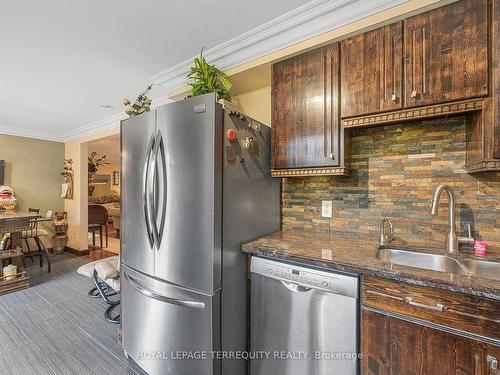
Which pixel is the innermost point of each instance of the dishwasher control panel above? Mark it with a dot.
(309, 277)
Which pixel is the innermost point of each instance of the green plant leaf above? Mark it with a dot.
(205, 78)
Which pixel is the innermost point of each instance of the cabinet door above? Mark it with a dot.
(395, 346)
(305, 118)
(375, 343)
(446, 54)
(371, 71)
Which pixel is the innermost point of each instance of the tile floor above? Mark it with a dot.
(113, 242)
(53, 327)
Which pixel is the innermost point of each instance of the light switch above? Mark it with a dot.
(327, 209)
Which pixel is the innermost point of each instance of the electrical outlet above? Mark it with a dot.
(327, 209)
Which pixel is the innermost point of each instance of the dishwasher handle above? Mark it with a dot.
(294, 287)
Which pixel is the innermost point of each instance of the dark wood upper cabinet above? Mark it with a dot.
(446, 53)
(371, 71)
(439, 63)
(305, 117)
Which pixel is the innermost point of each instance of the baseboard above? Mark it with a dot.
(76, 252)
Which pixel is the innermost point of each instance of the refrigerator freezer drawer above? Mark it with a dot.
(167, 329)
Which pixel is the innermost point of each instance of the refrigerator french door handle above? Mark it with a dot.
(145, 192)
(164, 186)
(159, 150)
(141, 289)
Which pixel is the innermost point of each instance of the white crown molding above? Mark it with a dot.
(108, 123)
(307, 21)
(30, 133)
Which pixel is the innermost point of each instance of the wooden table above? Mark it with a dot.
(14, 222)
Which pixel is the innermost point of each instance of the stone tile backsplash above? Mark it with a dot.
(395, 170)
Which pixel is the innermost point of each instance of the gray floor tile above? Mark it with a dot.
(53, 327)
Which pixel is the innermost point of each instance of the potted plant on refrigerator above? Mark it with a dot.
(142, 103)
(206, 78)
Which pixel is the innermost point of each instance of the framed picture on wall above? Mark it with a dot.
(116, 178)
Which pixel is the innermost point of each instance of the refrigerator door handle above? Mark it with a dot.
(141, 289)
(145, 192)
(159, 151)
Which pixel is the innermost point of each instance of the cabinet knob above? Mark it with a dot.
(394, 98)
(413, 94)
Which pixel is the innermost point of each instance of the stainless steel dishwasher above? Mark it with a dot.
(304, 321)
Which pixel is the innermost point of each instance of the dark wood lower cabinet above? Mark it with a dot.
(375, 343)
(392, 346)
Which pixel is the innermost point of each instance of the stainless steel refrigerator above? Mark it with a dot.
(195, 186)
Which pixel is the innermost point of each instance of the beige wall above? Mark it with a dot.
(33, 169)
(256, 104)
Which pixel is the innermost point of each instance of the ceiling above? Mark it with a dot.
(109, 146)
(62, 60)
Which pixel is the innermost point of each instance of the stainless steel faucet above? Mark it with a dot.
(451, 241)
(386, 238)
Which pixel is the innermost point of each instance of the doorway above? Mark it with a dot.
(104, 192)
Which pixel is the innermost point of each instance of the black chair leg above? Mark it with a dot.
(106, 232)
(100, 237)
(46, 252)
(109, 316)
(105, 296)
(94, 293)
(38, 245)
(29, 250)
(43, 251)
(103, 289)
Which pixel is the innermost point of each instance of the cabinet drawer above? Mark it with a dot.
(467, 313)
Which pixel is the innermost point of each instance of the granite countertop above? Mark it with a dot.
(357, 253)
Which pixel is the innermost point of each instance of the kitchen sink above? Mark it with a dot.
(483, 268)
(434, 262)
(442, 263)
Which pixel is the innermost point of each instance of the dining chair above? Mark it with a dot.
(36, 233)
(98, 218)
